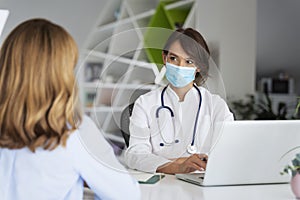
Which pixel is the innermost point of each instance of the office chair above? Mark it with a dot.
(124, 123)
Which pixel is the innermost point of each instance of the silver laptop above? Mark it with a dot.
(249, 152)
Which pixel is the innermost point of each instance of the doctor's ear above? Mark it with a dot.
(164, 57)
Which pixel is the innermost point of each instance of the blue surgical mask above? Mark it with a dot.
(179, 76)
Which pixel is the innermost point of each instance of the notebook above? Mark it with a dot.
(249, 152)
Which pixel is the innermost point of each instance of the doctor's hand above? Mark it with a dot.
(185, 164)
(193, 163)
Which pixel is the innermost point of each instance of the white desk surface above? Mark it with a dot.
(172, 188)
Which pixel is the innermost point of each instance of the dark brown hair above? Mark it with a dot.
(195, 46)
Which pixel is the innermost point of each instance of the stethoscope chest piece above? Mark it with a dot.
(191, 149)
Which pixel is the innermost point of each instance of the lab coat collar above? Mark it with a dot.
(173, 94)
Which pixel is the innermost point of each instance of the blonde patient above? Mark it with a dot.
(42, 154)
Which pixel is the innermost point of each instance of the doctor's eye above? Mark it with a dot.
(189, 62)
(173, 58)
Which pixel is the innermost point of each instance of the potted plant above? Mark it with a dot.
(294, 168)
(258, 109)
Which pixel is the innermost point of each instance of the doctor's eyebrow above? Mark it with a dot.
(173, 54)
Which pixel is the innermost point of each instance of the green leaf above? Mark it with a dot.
(297, 108)
(296, 162)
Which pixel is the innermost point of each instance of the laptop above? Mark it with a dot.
(249, 152)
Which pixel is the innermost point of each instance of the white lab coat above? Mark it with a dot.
(145, 152)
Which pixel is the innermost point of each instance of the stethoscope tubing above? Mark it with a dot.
(197, 116)
(163, 106)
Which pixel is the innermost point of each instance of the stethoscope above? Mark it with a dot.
(191, 147)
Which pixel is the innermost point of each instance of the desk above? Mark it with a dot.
(172, 188)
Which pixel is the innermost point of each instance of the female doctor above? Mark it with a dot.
(172, 128)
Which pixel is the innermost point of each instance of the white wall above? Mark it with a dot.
(278, 44)
(77, 16)
(231, 25)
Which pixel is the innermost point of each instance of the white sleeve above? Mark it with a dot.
(139, 154)
(96, 163)
(221, 110)
(221, 114)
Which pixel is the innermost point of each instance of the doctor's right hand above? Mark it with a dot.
(193, 163)
(185, 164)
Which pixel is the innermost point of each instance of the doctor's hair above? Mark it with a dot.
(195, 46)
(39, 101)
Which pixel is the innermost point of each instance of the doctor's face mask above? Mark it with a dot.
(179, 76)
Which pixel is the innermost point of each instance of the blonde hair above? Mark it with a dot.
(39, 101)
